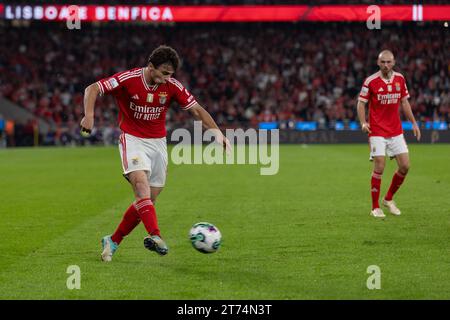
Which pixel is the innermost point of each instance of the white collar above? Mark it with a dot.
(152, 88)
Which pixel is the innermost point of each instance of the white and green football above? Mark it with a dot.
(205, 237)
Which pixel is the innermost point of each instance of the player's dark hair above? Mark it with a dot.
(164, 54)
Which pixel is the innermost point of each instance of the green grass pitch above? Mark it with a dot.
(304, 233)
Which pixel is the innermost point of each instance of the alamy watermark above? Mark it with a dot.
(374, 19)
(249, 146)
(374, 280)
(73, 20)
(74, 280)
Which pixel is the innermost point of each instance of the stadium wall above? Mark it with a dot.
(12, 111)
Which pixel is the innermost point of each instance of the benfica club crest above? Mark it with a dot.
(162, 97)
(397, 86)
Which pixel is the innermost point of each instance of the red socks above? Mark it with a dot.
(147, 213)
(141, 210)
(375, 189)
(129, 221)
(397, 181)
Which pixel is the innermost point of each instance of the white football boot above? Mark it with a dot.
(377, 213)
(109, 247)
(392, 207)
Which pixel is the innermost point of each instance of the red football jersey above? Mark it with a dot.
(384, 96)
(142, 108)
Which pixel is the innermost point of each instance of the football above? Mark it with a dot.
(205, 237)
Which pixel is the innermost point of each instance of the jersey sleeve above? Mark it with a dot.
(364, 94)
(404, 90)
(110, 84)
(181, 95)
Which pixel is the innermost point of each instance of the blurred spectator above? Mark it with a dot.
(9, 132)
(2, 132)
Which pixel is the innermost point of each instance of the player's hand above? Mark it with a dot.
(221, 139)
(416, 131)
(365, 127)
(87, 123)
(226, 145)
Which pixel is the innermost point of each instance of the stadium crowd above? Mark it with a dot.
(242, 73)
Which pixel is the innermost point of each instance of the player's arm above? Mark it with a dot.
(188, 102)
(364, 96)
(361, 109)
(199, 113)
(104, 86)
(406, 107)
(90, 96)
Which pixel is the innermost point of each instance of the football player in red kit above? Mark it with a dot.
(143, 96)
(384, 92)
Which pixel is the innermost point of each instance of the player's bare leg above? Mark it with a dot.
(378, 164)
(378, 169)
(154, 192)
(403, 163)
(397, 180)
(139, 182)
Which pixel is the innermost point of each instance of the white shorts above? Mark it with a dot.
(380, 146)
(149, 155)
